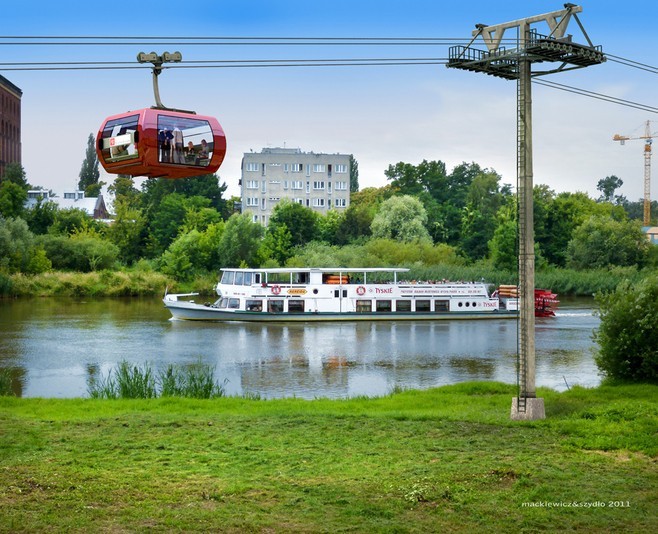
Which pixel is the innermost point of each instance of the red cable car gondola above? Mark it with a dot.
(160, 142)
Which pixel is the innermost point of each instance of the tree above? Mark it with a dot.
(603, 242)
(12, 199)
(15, 173)
(354, 175)
(627, 335)
(300, 221)
(240, 242)
(608, 186)
(18, 249)
(402, 218)
(89, 173)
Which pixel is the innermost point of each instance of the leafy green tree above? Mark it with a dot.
(241, 241)
(608, 186)
(402, 218)
(19, 251)
(277, 244)
(567, 212)
(503, 248)
(128, 232)
(627, 335)
(124, 191)
(603, 242)
(71, 220)
(329, 226)
(41, 216)
(156, 190)
(484, 198)
(83, 252)
(354, 175)
(193, 252)
(301, 222)
(15, 173)
(12, 199)
(89, 173)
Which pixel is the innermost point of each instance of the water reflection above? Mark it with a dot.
(54, 346)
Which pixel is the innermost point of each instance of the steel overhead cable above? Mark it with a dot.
(226, 63)
(595, 95)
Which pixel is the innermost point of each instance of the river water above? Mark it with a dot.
(53, 346)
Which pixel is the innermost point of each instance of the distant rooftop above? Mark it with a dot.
(10, 86)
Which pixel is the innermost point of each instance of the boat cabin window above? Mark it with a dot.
(239, 277)
(441, 306)
(256, 278)
(423, 306)
(295, 306)
(223, 303)
(403, 306)
(234, 304)
(301, 278)
(363, 306)
(275, 306)
(119, 139)
(383, 305)
(184, 140)
(228, 277)
(247, 279)
(254, 305)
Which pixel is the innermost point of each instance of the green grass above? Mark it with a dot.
(441, 460)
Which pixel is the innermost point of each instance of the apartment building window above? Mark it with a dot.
(319, 167)
(251, 184)
(263, 167)
(318, 202)
(340, 168)
(308, 187)
(263, 204)
(285, 184)
(328, 187)
(341, 186)
(255, 219)
(252, 166)
(318, 186)
(297, 184)
(297, 167)
(298, 200)
(308, 169)
(263, 188)
(340, 202)
(286, 167)
(252, 201)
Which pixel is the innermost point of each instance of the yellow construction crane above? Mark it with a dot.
(648, 139)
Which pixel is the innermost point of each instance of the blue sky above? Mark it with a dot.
(380, 114)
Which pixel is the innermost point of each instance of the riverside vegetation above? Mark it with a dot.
(440, 460)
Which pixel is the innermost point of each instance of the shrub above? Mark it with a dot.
(627, 336)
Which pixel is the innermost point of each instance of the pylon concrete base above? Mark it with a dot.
(534, 409)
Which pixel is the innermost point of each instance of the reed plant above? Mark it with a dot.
(195, 381)
(5, 383)
(140, 382)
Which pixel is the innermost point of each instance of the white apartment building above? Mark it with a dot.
(318, 181)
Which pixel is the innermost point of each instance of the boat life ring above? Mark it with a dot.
(360, 290)
(276, 290)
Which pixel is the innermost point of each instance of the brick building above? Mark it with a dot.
(10, 123)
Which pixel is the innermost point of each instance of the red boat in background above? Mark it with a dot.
(546, 301)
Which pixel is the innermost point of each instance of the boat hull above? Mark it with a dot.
(192, 311)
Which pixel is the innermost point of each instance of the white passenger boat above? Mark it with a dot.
(315, 294)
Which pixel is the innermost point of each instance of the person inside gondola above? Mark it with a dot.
(164, 138)
(190, 154)
(203, 152)
(178, 145)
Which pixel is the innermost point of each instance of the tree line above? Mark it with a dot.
(187, 227)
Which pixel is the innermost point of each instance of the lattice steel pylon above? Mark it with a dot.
(559, 53)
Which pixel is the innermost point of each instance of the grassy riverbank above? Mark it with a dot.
(441, 460)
